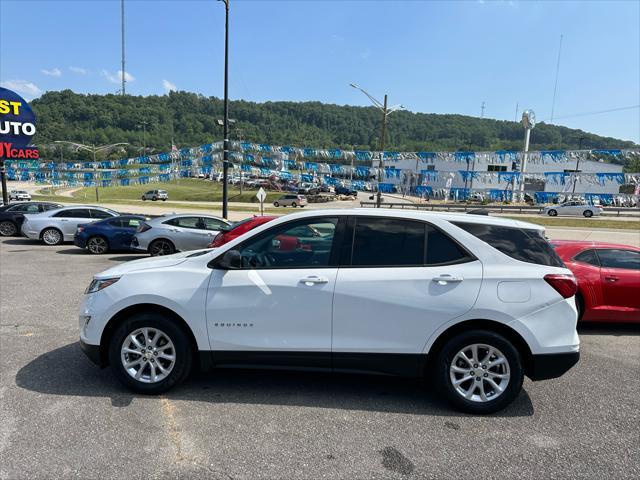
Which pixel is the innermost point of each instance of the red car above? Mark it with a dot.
(608, 279)
(237, 229)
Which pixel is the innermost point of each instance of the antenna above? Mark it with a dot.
(122, 22)
(516, 117)
(482, 110)
(555, 87)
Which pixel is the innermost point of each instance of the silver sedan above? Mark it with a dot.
(177, 233)
(573, 208)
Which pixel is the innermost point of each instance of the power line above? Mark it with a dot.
(597, 112)
(555, 87)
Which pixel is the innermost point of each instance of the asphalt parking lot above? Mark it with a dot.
(62, 417)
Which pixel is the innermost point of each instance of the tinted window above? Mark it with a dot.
(442, 249)
(213, 224)
(50, 206)
(627, 259)
(185, 222)
(388, 242)
(588, 256)
(74, 213)
(116, 222)
(100, 214)
(27, 208)
(292, 245)
(522, 244)
(131, 222)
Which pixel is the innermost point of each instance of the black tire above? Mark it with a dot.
(587, 213)
(183, 354)
(49, 235)
(293, 204)
(154, 199)
(161, 247)
(97, 245)
(8, 228)
(579, 305)
(164, 199)
(444, 361)
(144, 199)
(553, 213)
(276, 204)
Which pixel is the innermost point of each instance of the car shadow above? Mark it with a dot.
(131, 256)
(20, 241)
(73, 251)
(616, 329)
(66, 371)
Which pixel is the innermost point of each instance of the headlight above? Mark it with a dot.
(98, 284)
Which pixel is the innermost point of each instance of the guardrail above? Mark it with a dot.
(448, 207)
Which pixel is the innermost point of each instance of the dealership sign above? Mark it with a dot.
(17, 127)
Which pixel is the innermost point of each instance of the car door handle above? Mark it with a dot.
(611, 279)
(313, 279)
(444, 279)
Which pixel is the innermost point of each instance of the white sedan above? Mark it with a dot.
(573, 208)
(56, 226)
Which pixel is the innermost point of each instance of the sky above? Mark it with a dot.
(432, 57)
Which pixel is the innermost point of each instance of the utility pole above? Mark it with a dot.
(575, 174)
(381, 164)
(122, 32)
(225, 146)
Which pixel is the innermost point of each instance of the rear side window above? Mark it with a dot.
(588, 256)
(100, 214)
(526, 245)
(388, 242)
(441, 249)
(626, 259)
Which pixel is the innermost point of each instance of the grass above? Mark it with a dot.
(188, 189)
(594, 223)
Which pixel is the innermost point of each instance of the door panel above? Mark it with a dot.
(395, 310)
(620, 279)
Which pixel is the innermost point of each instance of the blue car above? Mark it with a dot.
(113, 233)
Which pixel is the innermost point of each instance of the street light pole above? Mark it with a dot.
(95, 172)
(225, 146)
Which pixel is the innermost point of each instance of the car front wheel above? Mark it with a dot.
(588, 213)
(161, 247)
(149, 353)
(479, 372)
(276, 204)
(97, 245)
(8, 229)
(294, 205)
(52, 236)
(553, 213)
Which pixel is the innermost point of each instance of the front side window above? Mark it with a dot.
(589, 257)
(388, 242)
(617, 258)
(185, 222)
(301, 244)
(526, 245)
(213, 224)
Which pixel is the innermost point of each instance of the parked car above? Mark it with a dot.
(177, 233)
(470, 303)
(155, 195)
(608, 277)
(292, 200)
(573, 208)
(308, 188)
(56, 226)
(238, 228)
(19, 196)
(109, 234)
(340, 190)
(12, 216)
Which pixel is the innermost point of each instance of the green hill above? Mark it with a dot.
(190, 119)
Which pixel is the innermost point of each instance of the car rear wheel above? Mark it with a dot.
(293, 204)
(161, 247)
(553, 213)
(588, 213)
(479, 372)
(8, 228)
(149, 353)
(52, 236)
(276, 204)
(97, 245)
(143, 198)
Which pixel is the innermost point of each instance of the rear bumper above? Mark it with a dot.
(91, 351)
(79, 242)
(552, 365)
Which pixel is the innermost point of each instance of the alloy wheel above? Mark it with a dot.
(51, 236)
(161, 247)
(479, 373)
(97, 245)
(8, 229)
(148, 355)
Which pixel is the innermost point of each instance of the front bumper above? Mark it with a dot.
(92, 351)
(551, 365)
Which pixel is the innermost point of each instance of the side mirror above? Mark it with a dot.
(230, 260)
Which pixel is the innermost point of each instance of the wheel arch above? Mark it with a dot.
(481, 324)
(117, 319)
(102, 235)
(166, 239)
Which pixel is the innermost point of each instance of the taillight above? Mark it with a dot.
(143, 227)
(80, 229)
(565, 285)
(217, 241)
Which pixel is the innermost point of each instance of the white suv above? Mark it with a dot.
(470, 303)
